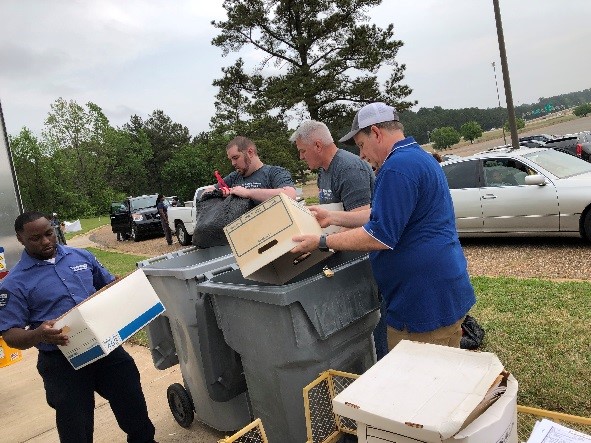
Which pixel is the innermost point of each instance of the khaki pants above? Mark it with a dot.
(446, 336)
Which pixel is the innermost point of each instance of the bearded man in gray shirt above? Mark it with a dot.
(251, 178)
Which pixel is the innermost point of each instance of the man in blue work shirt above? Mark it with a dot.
(49, 280)
(416, 257)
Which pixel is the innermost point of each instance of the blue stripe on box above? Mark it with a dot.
(140, 321)
(86, 357)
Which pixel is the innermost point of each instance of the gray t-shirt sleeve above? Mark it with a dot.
(280, 177)
(354, 187)
(348, 180)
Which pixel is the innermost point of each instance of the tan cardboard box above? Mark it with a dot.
(261, 240)
(105, 320)
(426, 393)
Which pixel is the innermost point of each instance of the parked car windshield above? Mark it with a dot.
(558, 163)
(149, 201)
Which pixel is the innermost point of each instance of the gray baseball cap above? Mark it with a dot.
(370, 115)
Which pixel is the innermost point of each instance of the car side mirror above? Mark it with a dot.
(537, 179)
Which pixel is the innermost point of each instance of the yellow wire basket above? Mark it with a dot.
(251, 433)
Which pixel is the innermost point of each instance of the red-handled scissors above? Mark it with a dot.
(221, 183)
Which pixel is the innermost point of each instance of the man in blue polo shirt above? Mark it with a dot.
(49, 280)
(416, 257)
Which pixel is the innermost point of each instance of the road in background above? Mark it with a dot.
(569, 127)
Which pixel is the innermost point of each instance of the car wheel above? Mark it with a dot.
(182, 234)
(180, 404)
(135, 235)
(586, 231)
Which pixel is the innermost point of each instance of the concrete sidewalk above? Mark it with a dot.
(26, 417)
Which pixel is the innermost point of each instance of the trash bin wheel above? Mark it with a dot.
(180, 404)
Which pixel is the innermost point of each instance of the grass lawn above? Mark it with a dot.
(539, 329)
(88, 224)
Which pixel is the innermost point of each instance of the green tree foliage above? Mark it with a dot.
(156, 139)
(35, 173)
(519, 123)
(445, 137)
(582, 110)
(471, 131)
(130, 153)
(425, 120)
(188, 169)
(233, 102)
(76, 139)
(165, 137)
(324, 55)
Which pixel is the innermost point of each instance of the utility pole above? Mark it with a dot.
(506, 81)
(499, 99)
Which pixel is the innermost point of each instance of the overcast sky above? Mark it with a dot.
(135, 56)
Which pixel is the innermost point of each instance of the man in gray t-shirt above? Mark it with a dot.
(342, 176)
(347, 179)
(251, 178)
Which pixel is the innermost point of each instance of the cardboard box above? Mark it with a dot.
(105, 320)
(423, 393)
(261, 240)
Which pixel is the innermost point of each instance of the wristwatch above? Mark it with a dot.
(322, 243)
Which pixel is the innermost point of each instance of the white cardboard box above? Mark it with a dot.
(261, 240)
(423, 393)
(332, 229)
(105, 320)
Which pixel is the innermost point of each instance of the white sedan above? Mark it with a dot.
(539, 192)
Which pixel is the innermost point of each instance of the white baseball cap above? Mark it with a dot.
(370, 115)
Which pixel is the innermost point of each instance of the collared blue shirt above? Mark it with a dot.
(35, 290)
(423, 274)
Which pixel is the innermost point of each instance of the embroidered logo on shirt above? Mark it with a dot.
(82, 267)
(325, 196)
(4, 299)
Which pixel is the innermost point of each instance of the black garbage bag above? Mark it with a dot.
(472, 333)
(213, 212)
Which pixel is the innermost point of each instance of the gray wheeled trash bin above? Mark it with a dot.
(286, 335)
(214, 388)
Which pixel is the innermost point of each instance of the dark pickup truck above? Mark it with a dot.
(136, 218)
(578, 145)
